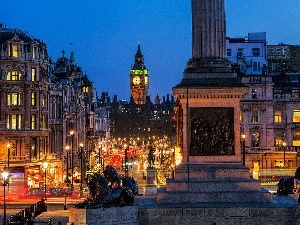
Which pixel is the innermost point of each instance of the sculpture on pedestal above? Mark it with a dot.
(109, 189)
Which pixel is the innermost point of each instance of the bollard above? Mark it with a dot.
(65, 205)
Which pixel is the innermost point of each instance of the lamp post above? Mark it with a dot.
(243, 145)
(126, 160)
(5, 182)
(81, 171)
(161, 154)
(100, 155)
(8, 156)
(284, 147)
(72, 161)
(67, 149)
(45, 165)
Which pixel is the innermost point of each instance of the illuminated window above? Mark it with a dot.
(85, 89)
(278, 116)
(14, 75)
(14, 98)
(13, 122)
(15, 50)
(33, 122)
(254, 117)
(255, 138)
(44, 121)
(34, 52)
(279, 137)
(33, 74)
(296, 116)
(296, 138)
(33, 99)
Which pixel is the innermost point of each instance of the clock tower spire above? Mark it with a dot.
(139, 78)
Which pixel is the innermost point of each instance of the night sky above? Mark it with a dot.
(104, 34)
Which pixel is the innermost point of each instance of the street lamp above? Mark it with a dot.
(126, 160)
(45, 165)
(284, 147)
(100, 153)
(81, 171)
(67, 149)
(161, 154)
(8, 156)
(72, 160)
(5, 182)
(243, 145)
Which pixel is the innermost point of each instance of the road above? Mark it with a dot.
(55, 208)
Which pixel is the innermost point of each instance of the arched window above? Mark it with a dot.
(14, 75)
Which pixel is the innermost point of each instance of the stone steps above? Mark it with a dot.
(208, 186)
(164, 197)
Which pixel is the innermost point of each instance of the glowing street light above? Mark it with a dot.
(81, 171)
(5, 182)
(72, 160)
(284, 148)
(126, 160)
(243, 145)
(45, 165)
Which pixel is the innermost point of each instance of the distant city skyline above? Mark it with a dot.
(104, 34)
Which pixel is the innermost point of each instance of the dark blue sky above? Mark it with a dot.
(104, 34)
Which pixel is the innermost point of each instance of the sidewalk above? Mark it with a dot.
(56, 215)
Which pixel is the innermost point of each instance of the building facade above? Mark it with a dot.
(72, 119)
(269, 111)
(249, 53)
(24, 128)
(47, 114)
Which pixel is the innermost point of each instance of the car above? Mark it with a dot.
(55, 192)
(35, 192)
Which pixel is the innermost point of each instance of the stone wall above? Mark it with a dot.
(107, 216)
(218, 216)
(146, 211)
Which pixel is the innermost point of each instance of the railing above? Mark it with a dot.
(287, 148)
(25, 216)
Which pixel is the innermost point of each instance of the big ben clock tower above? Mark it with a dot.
(139, 79)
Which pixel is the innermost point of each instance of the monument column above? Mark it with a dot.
(208, 29)
(209, 94)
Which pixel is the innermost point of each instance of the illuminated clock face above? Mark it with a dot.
(136, 80)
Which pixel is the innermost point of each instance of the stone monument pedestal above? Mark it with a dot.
(216, 183)
(151, 175)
